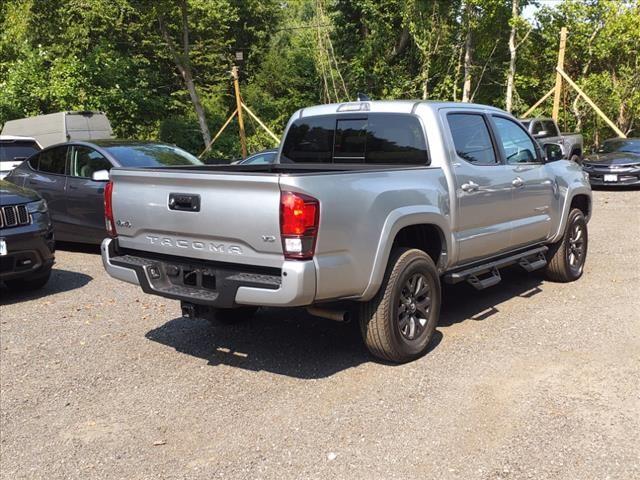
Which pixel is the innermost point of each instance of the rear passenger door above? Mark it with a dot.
(533, 187)
(85, 197)
(483, 188)
(47, 177)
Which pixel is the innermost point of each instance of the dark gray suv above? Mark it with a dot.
(26, 238)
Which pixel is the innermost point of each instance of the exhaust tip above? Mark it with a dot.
(335, 315)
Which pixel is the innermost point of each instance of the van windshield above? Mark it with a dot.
(371, 138)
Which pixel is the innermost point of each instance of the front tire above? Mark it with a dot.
(398, 323)
(568, 256)
(35, 282)
(576, 158)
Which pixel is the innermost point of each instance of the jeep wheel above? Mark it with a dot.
(398, 323)
(567, 257)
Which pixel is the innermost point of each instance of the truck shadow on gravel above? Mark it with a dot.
(293, 343)
(463, 302)
(60, 281)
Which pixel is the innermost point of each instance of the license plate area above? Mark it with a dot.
(184, 275)
(610, 177)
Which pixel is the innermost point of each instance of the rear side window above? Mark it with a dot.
(550, 128)
(18, 150)
(471, 138)
(52, 161)
(374, 138)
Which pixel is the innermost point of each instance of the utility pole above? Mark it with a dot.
(558, 89)
(236, 87)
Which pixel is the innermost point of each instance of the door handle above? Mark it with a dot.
(469, 187)
(517, 182)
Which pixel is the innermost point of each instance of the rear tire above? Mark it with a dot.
(567, 257)
(576, 158)
(35, 282)
(231, 316)
(398, 323)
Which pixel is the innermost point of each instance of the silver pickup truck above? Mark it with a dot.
(369, 207)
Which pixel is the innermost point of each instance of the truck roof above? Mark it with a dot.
(386, 106)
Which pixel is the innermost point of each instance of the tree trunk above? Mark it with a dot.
(184, 67)
(515, 11)
(468, 59)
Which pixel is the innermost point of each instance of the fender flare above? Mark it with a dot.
(396, 221)
(581, 190)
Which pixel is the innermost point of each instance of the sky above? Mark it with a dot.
(530, 10)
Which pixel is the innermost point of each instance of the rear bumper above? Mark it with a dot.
(213, 284)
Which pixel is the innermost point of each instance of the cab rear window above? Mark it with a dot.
(374, 138)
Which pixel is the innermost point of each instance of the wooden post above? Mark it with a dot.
(236, 87)
(218, 134)
(558, 89)
(535, 105)
(255, 117)
(591, 103)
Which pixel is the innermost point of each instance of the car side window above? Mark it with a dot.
(537, 128)
(517, 145)
(550, 127)
(85, 161)
(472, 139)
(53, 160)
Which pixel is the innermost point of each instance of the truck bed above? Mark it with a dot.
(283, 168)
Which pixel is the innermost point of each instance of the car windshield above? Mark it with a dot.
(151, 155)
(629, 146)
(260, 159)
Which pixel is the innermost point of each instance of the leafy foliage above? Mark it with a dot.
(109, 55)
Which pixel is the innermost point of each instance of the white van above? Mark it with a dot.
(61, 127)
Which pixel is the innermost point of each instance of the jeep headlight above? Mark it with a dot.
(37, 207)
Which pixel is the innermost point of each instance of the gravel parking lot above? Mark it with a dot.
(529, 379)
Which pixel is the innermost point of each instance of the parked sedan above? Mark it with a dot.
(616, 163)
(261, 158)
(72, 176)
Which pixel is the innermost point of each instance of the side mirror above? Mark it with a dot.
(540, 134)
(552, 152)
(100, 176)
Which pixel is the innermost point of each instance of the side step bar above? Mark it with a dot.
(486, 275)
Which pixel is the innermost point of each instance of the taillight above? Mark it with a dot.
(110, 223)
(299, 218)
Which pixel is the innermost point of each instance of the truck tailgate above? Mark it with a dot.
(237, 219)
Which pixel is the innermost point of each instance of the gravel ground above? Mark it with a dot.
(529, 379)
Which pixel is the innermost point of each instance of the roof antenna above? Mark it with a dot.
(363, 97)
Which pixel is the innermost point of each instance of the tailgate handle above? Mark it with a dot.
(184, 201)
